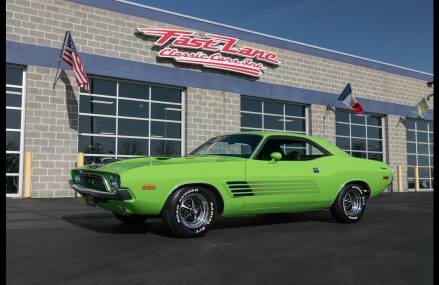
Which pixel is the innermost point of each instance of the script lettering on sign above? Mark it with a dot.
(211, 51)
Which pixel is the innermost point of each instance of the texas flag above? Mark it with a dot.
(348, 98)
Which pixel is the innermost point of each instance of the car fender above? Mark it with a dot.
(346, 182)
(226, 205)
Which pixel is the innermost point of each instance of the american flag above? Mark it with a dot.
(71, 57)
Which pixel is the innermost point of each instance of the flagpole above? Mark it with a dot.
(59, 60)
(328, 108)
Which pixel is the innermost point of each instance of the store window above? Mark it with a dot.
(258, 114)
(122, 119)
(420, 153)
(15, 79)
(360, 135)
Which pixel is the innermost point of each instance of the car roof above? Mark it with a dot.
(322, 142)
(274, 133)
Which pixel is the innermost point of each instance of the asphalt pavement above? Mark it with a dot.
(64, 241)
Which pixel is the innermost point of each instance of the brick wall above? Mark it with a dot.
(396, 149)
(322, 122)
(210, 113)
(51, 130)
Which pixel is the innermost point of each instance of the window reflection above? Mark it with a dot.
(357, 119)
(419, 136)
(12, 162)
(11, 184)
(132, 90)
(165, 94)
(294, 110)
(97, 125)
(165, 148)
(103, 87)
(13, 119)
(252, 105)
(374, 145)
(375, 156)
(137, 109)
(359, 154)
(251, 120)
(257, 114)
(130, 146)
(358, 131)
(374, 133)
(165, 111)
(96, 159)
(358, 144)
(165, 129)
(343, 143)
(13, 141)
(373, 120)
(137, 128)
(342, 130)
(96, 145)
(273, 107)
(97, 105)
(359, 135)
(120, 124)
(294, 124)
(14, 76)
(14, 97)
(341, 116)
(273, 122)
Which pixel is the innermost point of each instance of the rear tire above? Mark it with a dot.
(350, 204)
(131, 219)
(190, 211)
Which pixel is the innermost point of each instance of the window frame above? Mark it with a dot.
(366, 138)
(282, 116)
(149, 101)
(292, 138)
(22, 128)
(430, 130)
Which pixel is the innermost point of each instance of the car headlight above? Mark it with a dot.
(77, 180)
(114, 181)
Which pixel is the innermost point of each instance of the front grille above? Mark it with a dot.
(94, 182)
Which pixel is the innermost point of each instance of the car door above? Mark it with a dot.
(295, 182)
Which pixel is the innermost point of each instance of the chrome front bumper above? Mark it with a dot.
(120, 194)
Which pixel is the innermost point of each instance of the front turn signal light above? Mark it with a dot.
(148, 187)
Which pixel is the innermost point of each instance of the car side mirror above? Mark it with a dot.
(275, 157)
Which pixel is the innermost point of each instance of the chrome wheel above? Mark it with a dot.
(194, 210)
(352, 202)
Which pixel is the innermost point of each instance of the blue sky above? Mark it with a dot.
(395, 32)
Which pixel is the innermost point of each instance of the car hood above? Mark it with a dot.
(127, 164)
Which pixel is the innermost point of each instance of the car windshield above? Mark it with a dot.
(241, 145)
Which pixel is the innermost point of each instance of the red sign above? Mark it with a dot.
(246, 60)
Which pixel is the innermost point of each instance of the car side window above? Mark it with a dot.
(291, 150)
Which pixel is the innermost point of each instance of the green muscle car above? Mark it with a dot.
(233, 175)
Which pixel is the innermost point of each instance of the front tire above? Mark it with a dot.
(190, 211)
(350, 204)
(131, 219)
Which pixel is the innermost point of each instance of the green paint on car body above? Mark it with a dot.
(245, 185)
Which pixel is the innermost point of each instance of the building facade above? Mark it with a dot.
(163, 83)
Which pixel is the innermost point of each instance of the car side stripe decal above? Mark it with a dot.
(252, 188)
